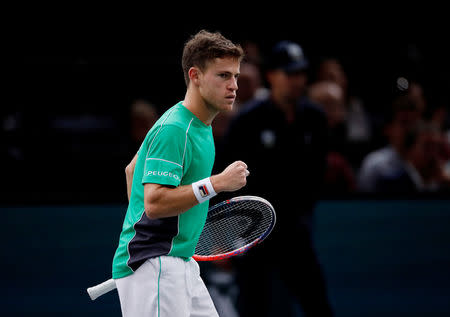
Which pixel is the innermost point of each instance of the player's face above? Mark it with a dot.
(218, 83)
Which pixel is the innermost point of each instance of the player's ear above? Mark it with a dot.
(194, 74)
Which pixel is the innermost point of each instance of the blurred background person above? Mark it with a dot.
(383, 162)
(330, 97)
(283, 140)
(340, 176)
(139, 116)
(143, 114)
(440, 116)
(415, 92)
(356, 128)
(250, 84)
(422, 169)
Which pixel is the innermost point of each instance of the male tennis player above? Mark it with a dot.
(169, 184)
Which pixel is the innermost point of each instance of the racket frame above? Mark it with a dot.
(246, 247)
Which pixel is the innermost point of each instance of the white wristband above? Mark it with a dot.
(203, 190)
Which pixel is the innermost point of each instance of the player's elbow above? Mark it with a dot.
(152, 210)
(153, 206)
(152, 213)
(129, 170)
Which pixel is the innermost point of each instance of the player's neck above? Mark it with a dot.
(197, 106)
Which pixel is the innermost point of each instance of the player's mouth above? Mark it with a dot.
(230, 97)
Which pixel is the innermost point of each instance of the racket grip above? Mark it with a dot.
(102, 288)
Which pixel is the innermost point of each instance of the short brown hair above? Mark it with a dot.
(205, 46)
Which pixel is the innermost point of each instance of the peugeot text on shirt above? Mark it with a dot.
(161, 173)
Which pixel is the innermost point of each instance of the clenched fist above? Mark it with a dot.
(232, 178)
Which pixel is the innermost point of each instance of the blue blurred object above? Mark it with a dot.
(288, 56)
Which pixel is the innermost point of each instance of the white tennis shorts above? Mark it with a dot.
(165, 286)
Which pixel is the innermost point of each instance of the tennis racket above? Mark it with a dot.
(232, 227)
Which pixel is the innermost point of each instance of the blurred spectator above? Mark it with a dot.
(220, 279)
(143, 115)
(382, 163)
(283, 140)
(356, 128)
(339, 177)
(13, 150)
(11, 135)
(440, 116)
(330, 97)
(422, 169)
(417, 96)
(251, 68)
(252, 53)
(250, 84)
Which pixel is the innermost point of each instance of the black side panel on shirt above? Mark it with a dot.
(153, 238)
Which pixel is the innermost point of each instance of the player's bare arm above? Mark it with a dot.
(129, 172)
(164, 201)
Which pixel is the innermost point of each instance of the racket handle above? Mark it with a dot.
(102, 288)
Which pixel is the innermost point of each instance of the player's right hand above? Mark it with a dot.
(232, 178)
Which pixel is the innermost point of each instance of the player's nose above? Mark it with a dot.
(233, 84)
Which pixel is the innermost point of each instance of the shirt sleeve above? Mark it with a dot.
(166, 156)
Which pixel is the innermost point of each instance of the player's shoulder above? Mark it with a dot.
(173, 120)
(169, 126)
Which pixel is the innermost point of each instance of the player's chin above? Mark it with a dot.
(227, 105)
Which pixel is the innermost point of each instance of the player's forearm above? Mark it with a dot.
(129, 179)
(129, 172)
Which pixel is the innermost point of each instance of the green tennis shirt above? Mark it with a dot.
(178, 150)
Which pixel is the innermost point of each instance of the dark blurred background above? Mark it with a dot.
(66, 118)
(66, 135)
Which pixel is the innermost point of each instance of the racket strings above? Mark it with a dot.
(234, 225)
